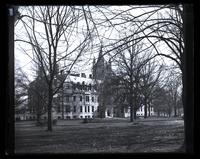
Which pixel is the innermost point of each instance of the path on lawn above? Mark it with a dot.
(101, 136)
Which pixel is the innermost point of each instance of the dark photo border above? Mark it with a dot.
(7, 79)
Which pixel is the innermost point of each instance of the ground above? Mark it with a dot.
(101, 136)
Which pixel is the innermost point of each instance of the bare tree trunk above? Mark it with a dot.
(50, 98)
(175, 111)
(131, 105)
(38, 117)
(149, 110)
(131, 113)
(38, 111)
(102, 111)
(62, 103)
(134, 113)
(169, 112)
(145, 107)
(135, 100)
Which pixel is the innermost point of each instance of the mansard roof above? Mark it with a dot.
(75, 79)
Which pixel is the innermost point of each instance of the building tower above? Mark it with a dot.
(101, 68)
(98, 66)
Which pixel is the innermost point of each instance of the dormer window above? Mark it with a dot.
(83, 75)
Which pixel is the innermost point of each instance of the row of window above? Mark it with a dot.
(82, 86)
(141, 109)
(78, 85)
(143, 114)
(75, 117)
(86, 109)
(59, 117)
(87, 98)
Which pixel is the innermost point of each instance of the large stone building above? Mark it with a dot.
(80, 96)
(76, 99)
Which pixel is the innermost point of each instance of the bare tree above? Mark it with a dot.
(150, 75)
(49, 31)
(37, 96)
(176, 31)
(173, 89)
(130, 64)
(161, 101)
(34, 92)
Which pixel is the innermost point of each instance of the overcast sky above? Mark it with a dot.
(23, 51)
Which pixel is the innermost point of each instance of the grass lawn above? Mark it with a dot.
(101, 136)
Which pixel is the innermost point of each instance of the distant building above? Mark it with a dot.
(21, 111)
(79, 96)
(140, 113)
(102, 70)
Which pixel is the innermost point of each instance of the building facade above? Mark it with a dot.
(80, 96)
(77, 99)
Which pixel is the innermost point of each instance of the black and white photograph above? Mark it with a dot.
(104, 79)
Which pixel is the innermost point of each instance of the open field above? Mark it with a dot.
(101, 136)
